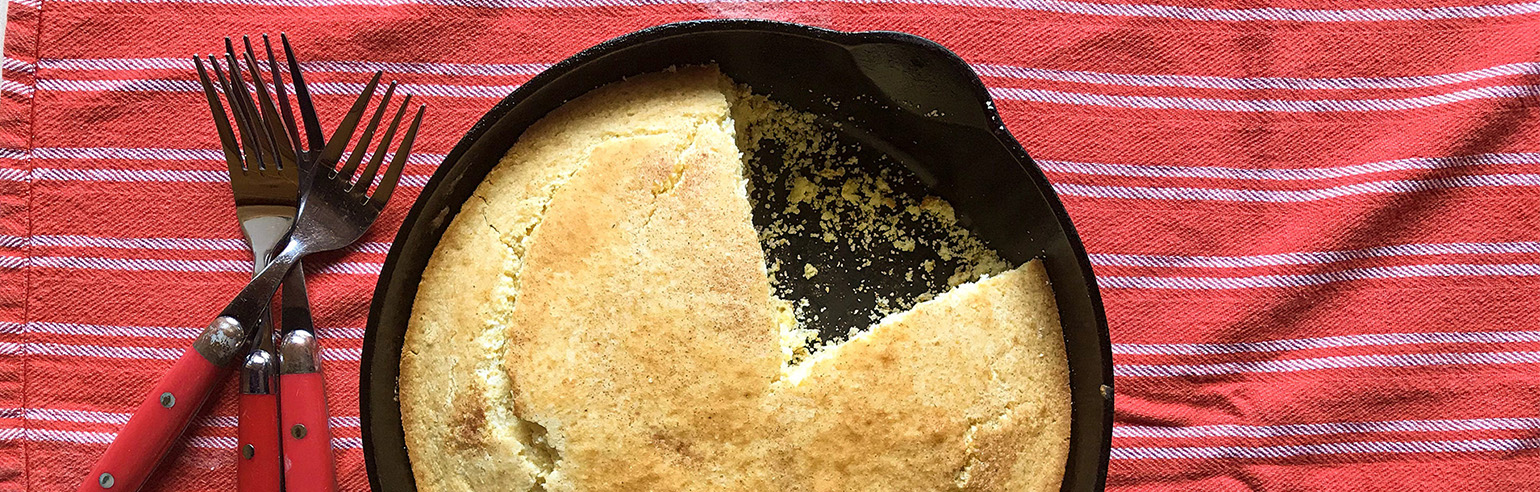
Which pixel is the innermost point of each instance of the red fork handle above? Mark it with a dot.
(307, 436)
(259, 465)
(156, 424)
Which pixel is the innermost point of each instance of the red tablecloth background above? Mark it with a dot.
(1315, 225)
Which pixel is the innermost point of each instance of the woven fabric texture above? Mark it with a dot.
(1316, 224)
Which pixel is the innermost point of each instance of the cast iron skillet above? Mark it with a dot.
(903, 95)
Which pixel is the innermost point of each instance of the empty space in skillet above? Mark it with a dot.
(845, 228)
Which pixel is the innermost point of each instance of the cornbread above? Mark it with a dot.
(600, 316)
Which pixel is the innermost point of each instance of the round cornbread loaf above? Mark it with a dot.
(599, 317)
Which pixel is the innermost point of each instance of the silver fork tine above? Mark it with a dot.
(249, 108)
(237, 110)
(344, 134)
(366, 178)
(283, 153)
(363, 140)
(234, 107)
(393, 173)
(282, 95)
(302, 95)
(221, 121)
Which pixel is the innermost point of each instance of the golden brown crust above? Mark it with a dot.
(599, 318)
(938, 397)
(645, 289)
(456, 408)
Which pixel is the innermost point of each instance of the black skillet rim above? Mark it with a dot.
(545, 77)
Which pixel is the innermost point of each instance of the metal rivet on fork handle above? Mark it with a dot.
(105, 480)
(167, 399)
(298, 431)
(248, 451)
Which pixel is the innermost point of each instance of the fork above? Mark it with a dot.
(302, 394)
(334, 211)
(266, 199)
(307, 444)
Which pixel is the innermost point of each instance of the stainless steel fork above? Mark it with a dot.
(335, 210)
(266, 201)
(299, 404)
(306, 446)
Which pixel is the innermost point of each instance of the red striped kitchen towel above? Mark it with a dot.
(1316, 225)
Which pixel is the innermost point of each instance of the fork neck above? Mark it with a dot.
(248, 306)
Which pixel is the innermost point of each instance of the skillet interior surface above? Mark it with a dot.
(907, 102)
